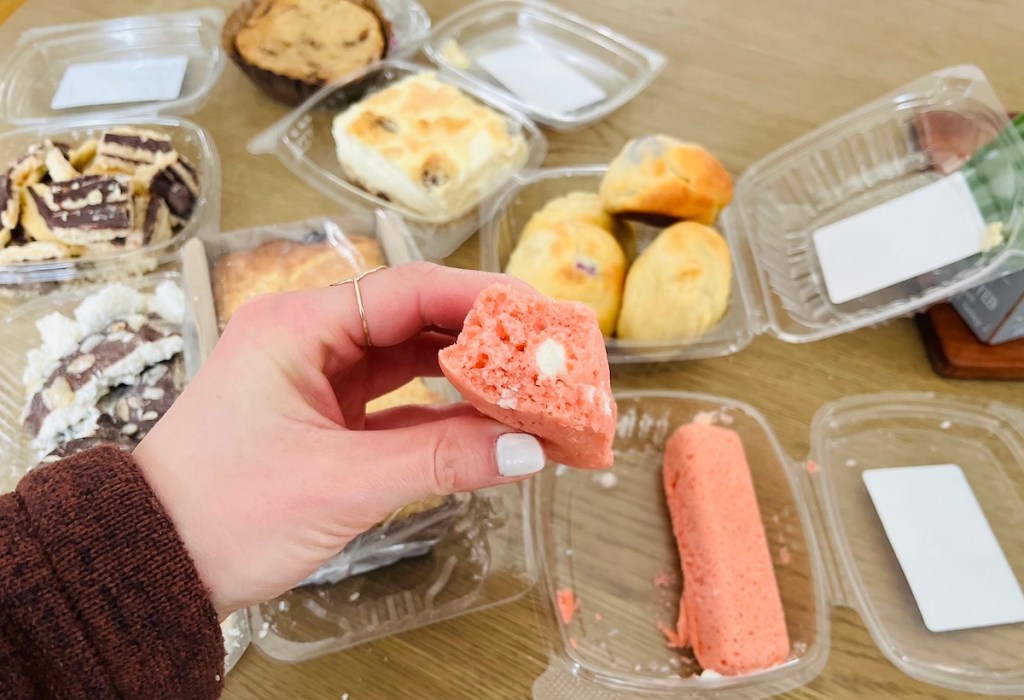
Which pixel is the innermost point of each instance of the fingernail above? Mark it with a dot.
(519, 454)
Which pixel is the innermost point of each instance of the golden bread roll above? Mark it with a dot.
(582, 207)
(573, 261)
(678, 287)
(659, 175)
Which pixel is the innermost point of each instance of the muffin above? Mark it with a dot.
(678, 287)
(291, 48)
(664, 177)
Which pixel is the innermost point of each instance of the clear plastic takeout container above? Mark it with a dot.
(621, 67)
(463, 555)
(37, 62)
(29, 79)
(191, 140)
(20, 335)
(827, 545)
(857, 162)
(303, 142)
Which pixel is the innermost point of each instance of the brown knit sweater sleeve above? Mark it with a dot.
(98, 596)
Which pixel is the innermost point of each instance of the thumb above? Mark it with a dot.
(461, 453)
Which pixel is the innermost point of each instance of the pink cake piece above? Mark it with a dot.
(730, 612)
(539, 366)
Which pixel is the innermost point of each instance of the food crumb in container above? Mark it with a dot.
(353, 597)
(707, 675)
(452, 52)
(598, 617)
(568, 604)
(812, 467)
(785, 557)
(851, 463)
(946, 425)
(672, 638)
(606, 480)
(574, 643)
(664, 579)
(992, 236)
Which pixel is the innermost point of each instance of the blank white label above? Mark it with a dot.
(922, 231)
(540, 79)
(121, 82)
(947, 550)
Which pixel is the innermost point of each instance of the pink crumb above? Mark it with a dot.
(664, 579)
(568, 604)
(598, 617)
(573, 643)
(673, 640)
(785, 557)
(812, 467)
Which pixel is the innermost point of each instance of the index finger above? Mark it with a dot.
(401, 302)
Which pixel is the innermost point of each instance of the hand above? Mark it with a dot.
(267, 463)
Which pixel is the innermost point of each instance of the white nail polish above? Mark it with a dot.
(519, 454)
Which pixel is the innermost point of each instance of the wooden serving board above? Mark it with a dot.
(956, 353)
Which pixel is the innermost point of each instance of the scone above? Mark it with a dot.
(582, 207)
(314, 41)
(539, 366)
(573, 261)
(426, 146)
(661, 176)
(678, 287)
(287, 266)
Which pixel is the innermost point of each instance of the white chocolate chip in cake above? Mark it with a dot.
(550, 357)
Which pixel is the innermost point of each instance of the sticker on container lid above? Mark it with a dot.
(954, 565)
(121, 82)
(920, 232)
(541, 79)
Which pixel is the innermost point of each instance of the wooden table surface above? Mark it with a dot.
(743, 78)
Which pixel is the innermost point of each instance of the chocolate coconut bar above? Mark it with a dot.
(88, 209)
(177, 185)
(10, 203)
(125, 150)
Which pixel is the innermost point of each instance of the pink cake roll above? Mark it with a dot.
(539, 366)
(730, 612)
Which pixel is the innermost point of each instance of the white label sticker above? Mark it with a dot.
(925, 230)
(957, 572)
(121, 82)
(541, 79)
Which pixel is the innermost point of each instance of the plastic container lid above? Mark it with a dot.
(620, 67)
(29, 80)
(191, 140)
(302, 141)
(827, 544)
(32, 73)
(859, 161)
